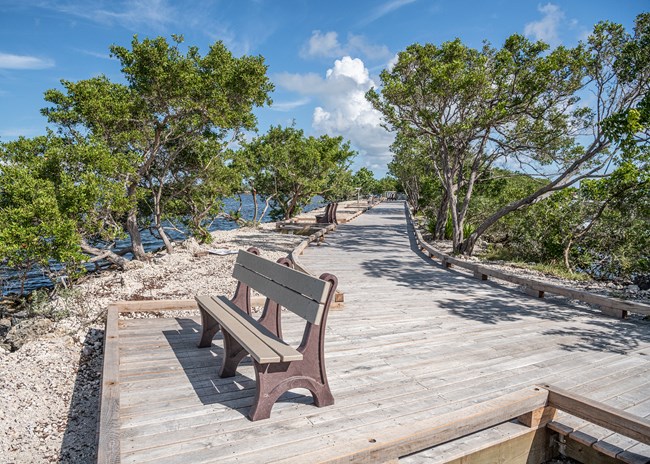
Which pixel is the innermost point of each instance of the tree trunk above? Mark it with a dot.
(441, 217)
(108, 255)
(567, 251)
(165, 238)
(267, 205)
(254, 193)
(159, 227)
(136, 239)
(564, 180)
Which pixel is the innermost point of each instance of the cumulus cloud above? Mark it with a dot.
(344, 109)
(9, 61)
(328, 45)
(546, 29)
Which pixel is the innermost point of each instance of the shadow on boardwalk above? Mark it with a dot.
(202, 365)
(487, 302)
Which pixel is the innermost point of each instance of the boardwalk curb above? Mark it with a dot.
(608, 305)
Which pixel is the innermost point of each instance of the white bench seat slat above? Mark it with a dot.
(262, 345)
(307, 308)
(307, 285)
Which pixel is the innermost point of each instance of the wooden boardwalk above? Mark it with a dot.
(413, 341)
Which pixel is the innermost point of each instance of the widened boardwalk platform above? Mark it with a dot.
(414, 341)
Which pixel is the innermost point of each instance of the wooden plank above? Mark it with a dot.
(155, 305)
(410, 348)
(395, 442)
(108, 446)
(307, 308)
(507, 443)
(600, 414)
(575, 450)
(259, 350)
(297, 281)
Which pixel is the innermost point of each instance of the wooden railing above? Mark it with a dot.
(609, 305)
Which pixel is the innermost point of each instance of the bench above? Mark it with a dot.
(278, 366)
(329, 216)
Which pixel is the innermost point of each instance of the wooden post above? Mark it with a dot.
(538, 417)
(534, 292)
(479, 275)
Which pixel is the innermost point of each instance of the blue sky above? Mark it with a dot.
(322, 56)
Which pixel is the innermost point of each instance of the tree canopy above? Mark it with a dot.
(291, 168)
(173, 117)
(520, 106)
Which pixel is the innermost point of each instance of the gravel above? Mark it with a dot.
(50, 372)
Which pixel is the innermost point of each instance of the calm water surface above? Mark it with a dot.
(10, 282)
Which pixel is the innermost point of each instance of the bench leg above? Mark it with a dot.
(210, 328)
(273, 380)
(233, 353)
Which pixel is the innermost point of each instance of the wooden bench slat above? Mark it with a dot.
(261, 345)
(297, 281)
(261, 352)
(286, 352)
(300, 304)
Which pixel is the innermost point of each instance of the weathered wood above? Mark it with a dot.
(411, 347)
(538, 417)
(599, 413)
(586, 454)
(508, 443)
(295, 301)
(394, 442)
(108, 445)
(259, 343)
(154, 305)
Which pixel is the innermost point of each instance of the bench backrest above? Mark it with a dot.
(298, 292)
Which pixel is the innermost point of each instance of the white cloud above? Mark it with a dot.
(392, 62)
(344, 110)
(319, 44)
(9, 61)
(384, 9)
(327, 45)
(154, 13)
(546, 29)
(290, 105)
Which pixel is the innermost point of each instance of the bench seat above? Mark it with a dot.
(261, 344)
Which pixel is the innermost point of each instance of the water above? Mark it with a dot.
(10, 281)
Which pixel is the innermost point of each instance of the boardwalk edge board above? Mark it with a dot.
(610, 306)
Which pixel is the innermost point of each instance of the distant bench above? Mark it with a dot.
(329, 215)
(278, 367)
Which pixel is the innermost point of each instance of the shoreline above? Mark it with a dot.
(50, 386)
